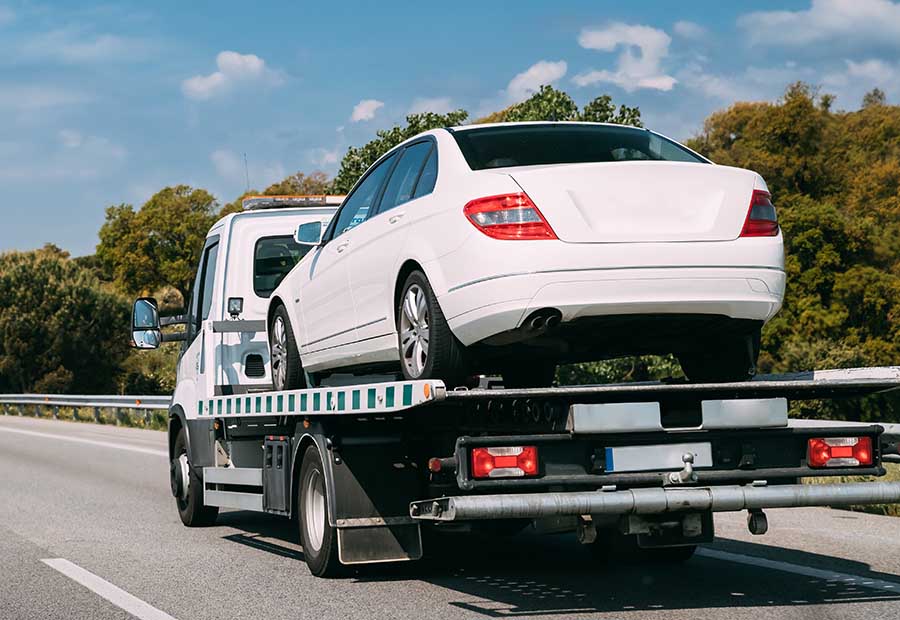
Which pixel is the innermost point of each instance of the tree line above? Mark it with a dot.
(834, 176)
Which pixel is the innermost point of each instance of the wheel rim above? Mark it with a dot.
(314, 509)
(414, 330)
(279, 353)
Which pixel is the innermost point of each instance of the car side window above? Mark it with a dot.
(358, 204)
(403, 179)
(428, 176)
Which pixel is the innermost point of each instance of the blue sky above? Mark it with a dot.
(107, 103)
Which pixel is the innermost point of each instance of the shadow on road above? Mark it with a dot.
(530, 575)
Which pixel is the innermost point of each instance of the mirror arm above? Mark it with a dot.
(176, 337)
(179, 319)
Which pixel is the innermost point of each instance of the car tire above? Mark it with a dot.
(427, 347)
(317, 536)
(531, 375)
(287, 370)
(189, 501)
(725, 361)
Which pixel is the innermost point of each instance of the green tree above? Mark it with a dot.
(875, 96)
(550, 104)
(60, 330)
(300, 184)
(160, 244)
(359, 159)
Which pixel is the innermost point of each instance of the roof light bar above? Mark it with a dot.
(254, 203)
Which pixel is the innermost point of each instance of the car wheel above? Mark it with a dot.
(428, 349)
(287, 371)
(724, 361)
(318, 538)
(187, 488)
(537, 374)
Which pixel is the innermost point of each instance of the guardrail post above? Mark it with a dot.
(120, 415)
(5, 409)
(38, 411)
(97, 415)
(55, 412)
(19, 410)
(147, 417)
(75, 413)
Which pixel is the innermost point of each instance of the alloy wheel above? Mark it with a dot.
(414, 330)
(314, 509)
(279, 353)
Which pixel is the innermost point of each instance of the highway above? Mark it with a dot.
(88, 529)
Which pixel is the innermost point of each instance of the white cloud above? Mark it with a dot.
(7, 15)
(438, 105)
(689, 30)
(858, 78)
(74, 156)
(32, 97)
(837, 22)
(70, 46)
(230, 166)
(638, 66)
(70, 138)
(234, 70)
(539, 74)
(750, 84)
(365, 110)
(325, 157)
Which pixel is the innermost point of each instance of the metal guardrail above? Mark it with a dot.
(20, 404)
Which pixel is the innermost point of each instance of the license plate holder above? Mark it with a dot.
(661, 457)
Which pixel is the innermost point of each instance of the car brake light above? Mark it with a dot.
(839, 451)
(761, 218)
(508, 216)
(504, 462)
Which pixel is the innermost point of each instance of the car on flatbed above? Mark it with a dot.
(511, 248)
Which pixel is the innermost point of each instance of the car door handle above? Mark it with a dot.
(343, 246)
(396, 218)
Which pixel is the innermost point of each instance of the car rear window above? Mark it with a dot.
(273, 258)
(533, 145)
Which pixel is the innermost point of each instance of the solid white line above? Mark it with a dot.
(89, 442)
(115, 595)
(797, 569)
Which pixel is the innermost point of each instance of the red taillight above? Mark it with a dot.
(505, 462)
(761, 218)
(509, 216)
(839, 451)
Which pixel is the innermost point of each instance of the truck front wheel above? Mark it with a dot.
(187, 488)
(318, 538)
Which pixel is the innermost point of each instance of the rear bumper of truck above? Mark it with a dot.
(649, 501)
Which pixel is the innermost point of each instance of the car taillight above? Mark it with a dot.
(839, 451)
(504, 462)
(761, 218)
(508, 216)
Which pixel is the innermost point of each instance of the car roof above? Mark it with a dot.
(520, 123)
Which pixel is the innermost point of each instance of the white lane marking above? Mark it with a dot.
(114, 594)
(797, 569)
(89, 442)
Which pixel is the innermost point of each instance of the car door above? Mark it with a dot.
(197, 362)
(329, 318)
(378, 244)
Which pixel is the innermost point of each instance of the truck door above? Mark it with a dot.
(197, 364)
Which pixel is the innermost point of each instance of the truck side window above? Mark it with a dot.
(203, 288)
(273, 258)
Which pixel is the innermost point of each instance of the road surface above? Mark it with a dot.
(88, 529)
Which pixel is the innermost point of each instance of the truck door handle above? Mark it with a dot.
(343, 246)
(395, 218)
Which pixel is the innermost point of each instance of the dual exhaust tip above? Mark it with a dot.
(542, 320)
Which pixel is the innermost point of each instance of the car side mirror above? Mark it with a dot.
(145, 328)
(309, 233)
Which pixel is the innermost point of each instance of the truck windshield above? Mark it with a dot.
(273, 258)
(543, 144)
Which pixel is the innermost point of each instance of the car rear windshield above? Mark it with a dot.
(533, 145)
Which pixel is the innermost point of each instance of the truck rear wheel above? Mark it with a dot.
(188, 488)
(318, 538)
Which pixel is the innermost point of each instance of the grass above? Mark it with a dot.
(154, 420)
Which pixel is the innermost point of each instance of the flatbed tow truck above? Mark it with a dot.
(368, 465)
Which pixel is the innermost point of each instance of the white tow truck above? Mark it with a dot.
(368, 464)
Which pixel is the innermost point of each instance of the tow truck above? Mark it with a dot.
(365, 464)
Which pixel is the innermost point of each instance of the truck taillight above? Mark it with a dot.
(508, 216)
(504, 462)
(761, 218)
(839, 451)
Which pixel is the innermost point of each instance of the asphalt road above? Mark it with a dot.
(84, 504)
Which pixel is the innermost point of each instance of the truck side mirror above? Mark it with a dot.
(145, 328)
(309, 233)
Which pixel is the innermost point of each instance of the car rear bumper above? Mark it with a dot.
(481, 309)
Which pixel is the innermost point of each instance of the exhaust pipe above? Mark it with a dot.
(552, 321)
(536, 323)
(540, 320)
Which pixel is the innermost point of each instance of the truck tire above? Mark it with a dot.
(725, 361)
(427, 347)
(318, 538)
(287, 370)
(189, 501)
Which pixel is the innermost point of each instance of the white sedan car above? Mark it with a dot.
(515, 247)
